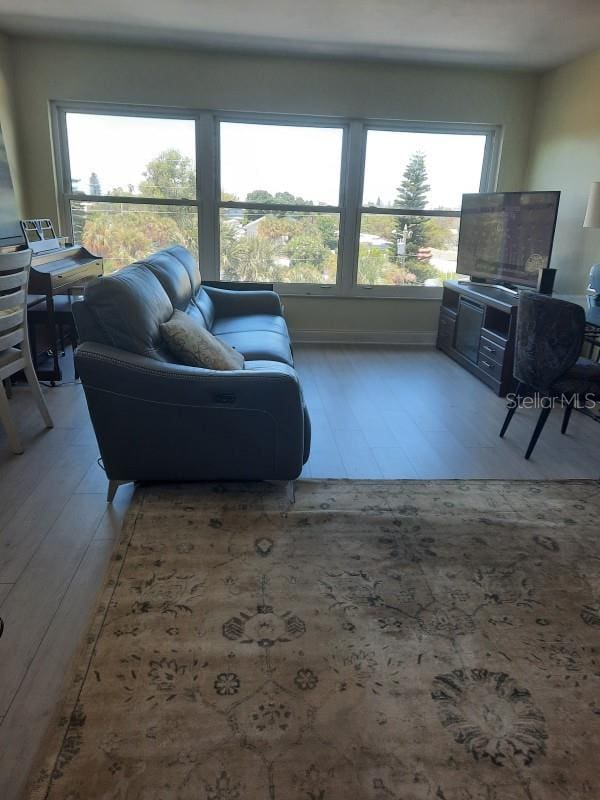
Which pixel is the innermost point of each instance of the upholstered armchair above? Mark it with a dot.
(548, 343)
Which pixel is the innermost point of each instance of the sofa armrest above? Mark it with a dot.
(230, 303)
(163, 421)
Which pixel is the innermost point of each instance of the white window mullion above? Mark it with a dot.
(351, 202)
(62, 172)
(207, 188)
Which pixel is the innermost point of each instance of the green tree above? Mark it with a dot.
(288, 199)
(373, 266)
(259, 196)
(306, 249)
(95, 187)
(328, 226)
(123, 233)
(422, 270)
(171, 175)
(378, 225)
(412, 193)
(256, 196)
(249, 259)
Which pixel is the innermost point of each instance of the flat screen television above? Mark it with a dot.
(10, 226)
(506, 237)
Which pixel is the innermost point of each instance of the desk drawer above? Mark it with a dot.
(489, 366)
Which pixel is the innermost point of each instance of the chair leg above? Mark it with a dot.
(511, 411)
(544, 414)
(510, 414)
(37, 394)
(8, 387)
(14, 440)
(567, 415)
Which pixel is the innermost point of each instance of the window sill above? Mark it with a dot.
(379, 293)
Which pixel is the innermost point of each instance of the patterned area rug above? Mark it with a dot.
(376, 641)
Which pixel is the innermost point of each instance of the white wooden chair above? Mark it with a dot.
(14, 275)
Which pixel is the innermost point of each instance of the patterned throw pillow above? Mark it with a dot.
(193, 345)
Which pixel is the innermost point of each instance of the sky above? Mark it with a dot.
(117, 149)
(303, 161)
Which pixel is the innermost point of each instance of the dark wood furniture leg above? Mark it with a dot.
(33, 344)
(567, 415)
(544, 414)
(511, 411)
(57, 375)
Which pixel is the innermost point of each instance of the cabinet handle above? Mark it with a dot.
(488, 348)
(486, 363)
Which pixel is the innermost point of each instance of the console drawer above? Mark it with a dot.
(490, 350)
(489, 366)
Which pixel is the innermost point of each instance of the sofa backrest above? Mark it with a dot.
(179, 275)
(125, 310)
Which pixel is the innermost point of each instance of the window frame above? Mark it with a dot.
(208, 201)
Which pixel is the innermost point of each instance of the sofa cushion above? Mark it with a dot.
(178, 273)
(189, 262)
(260, 345)
(127, 309)
(206, 307)
(250, 322)
(173, 277)
(193, 345)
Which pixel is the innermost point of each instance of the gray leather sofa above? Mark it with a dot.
(156, 420)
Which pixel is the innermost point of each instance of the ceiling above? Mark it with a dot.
(528, 34)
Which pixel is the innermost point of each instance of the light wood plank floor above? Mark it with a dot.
(377, 412)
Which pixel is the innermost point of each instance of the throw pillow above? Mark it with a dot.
(193, 345)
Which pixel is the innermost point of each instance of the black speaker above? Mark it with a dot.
(545, 283)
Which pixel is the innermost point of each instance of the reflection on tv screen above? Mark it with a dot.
(507, 237)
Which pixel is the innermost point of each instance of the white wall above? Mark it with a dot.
(7, 117)
(55, 70)
(565, 155)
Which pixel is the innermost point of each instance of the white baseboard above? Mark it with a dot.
(419, 338)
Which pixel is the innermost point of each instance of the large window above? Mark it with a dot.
(312, 205)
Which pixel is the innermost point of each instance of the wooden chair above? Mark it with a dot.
(14, 275)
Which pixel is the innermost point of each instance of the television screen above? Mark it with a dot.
(10, 227)
(506, 237)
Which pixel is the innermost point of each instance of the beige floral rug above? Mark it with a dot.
(376, 640)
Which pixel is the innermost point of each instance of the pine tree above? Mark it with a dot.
(95, 188)
(412, 193)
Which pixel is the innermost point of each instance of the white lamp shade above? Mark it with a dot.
(592, 214)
